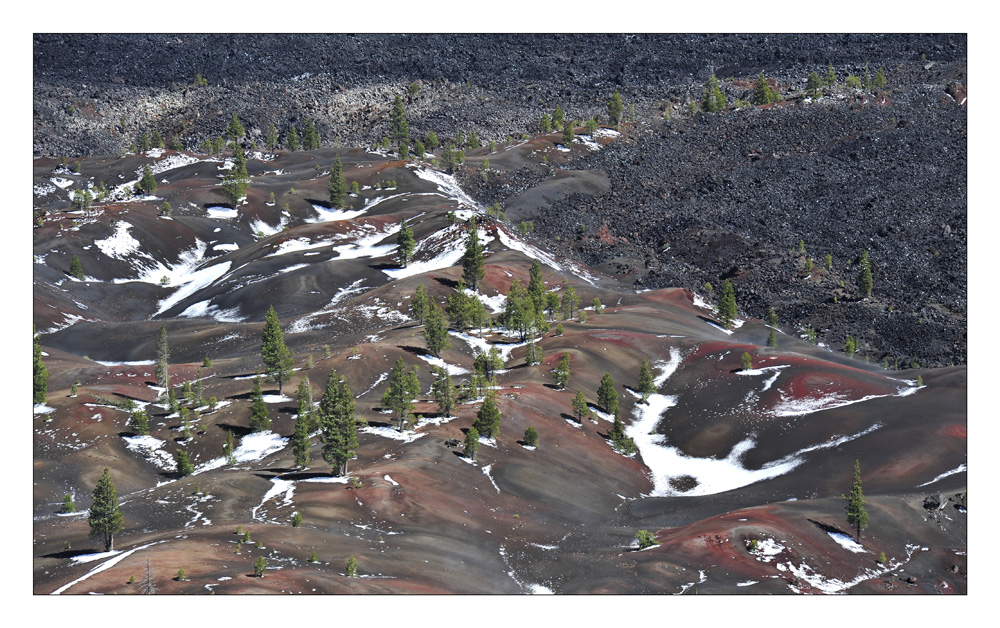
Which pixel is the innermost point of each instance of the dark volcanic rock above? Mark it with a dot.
(693, 199)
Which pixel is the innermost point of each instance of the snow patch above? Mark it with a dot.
(152, 450)
(119, 244)
(847, 542)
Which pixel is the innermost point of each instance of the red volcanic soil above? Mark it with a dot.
(419, 516)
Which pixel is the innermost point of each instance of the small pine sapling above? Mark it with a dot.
(645, 539)
(531, 437)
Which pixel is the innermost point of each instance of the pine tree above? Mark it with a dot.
(148, 182)
(532, 354)
(105, 519)
(727, 305)
(235, 130)
(301, 442)
(444, 391)
(531, 436)
(40, 382)
(138, 422)
(431, 141)
(865, 281)
(259, 566)
(306, 409)
(352, 567)
(473, 268)
(272, 137)
(292, 139)
(436, 330)
(399, 396)
(545, 125)
(459, 306)
(568, 133)
(857, 515)
(646, 384)
(557, 119)
(880, 81)
(184, 465)
(237, 180)
(536, 285)
(580, 406)
(772, 317)
(645, 539)
(69, 504)
(551, 303)
(471, 443)
(615, 109)
(561, 373)
(488, 418)
(277, 357)
(310, 138)
(259, 419)
(419, 303)
(746, 361)
(569, 302)
(76, 268)
(764, 94)
(405, 243)
(772, 339)
(229, 448)
(338, 184)
(830, 80)
(850, 346)
(607, 396)
(340, 431)
(399, 127)
(518, 312)
(624, 444)
(713, 99)
(813, 84)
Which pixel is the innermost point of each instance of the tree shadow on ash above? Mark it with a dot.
(71, 553)
(239, 431)
(829, 529)
(571, 418)
(315, 201)
(414, 350)
(302, 475)
(448, 283)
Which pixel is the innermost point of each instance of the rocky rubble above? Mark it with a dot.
(693, 199)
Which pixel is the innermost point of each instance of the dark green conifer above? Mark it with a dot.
(488, 418)
(338, 184)
(405, 243)
(41, 374)
(105, 518)
(277, 357)
(607, 396)
(473, 267)
(259, 419)
(857, 514)
(615, 109)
